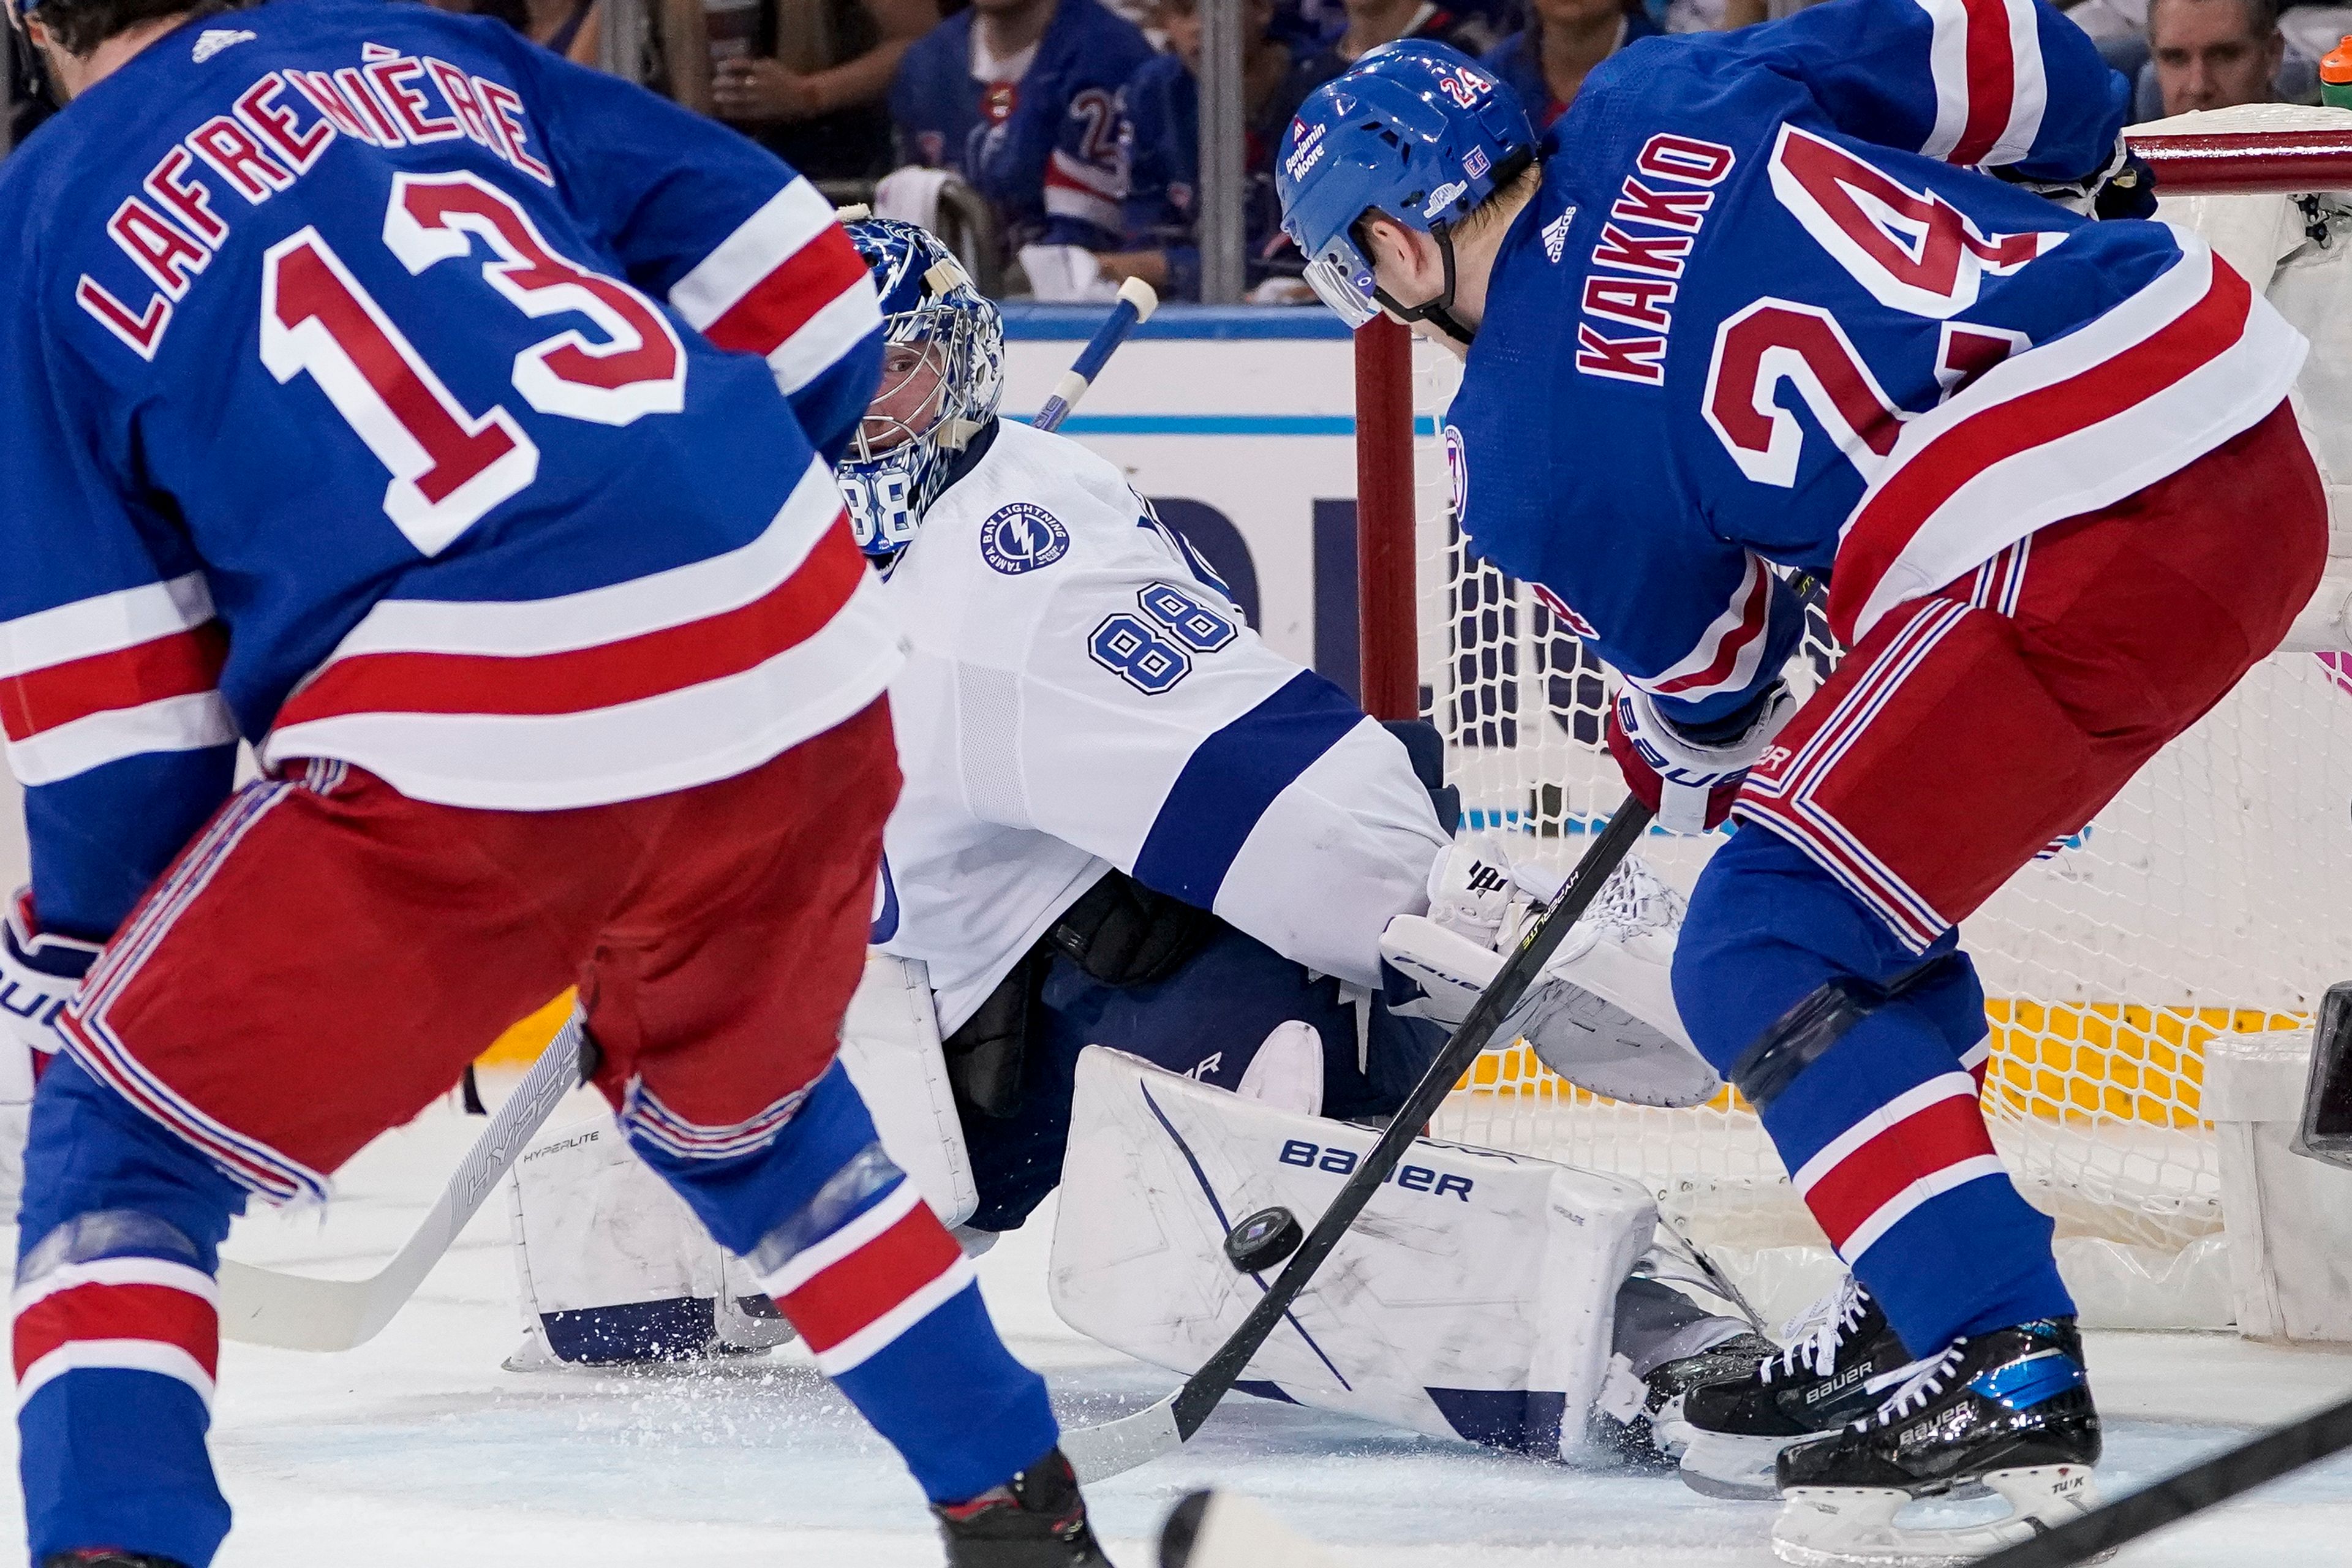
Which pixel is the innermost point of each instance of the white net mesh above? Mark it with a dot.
(2206, 901)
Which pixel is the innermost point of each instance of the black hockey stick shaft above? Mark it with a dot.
(1204, 1390)
(2206, 1484)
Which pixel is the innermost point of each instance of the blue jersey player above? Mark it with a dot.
(1831, 296)
(456, 425)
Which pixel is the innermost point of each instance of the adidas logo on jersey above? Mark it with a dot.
(212, 41)
(1555, 234)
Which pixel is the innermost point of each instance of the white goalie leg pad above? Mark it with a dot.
(15, 1117)
(1288, 1071)
(1475, 1298)
(612, 1267)
(890, 1047)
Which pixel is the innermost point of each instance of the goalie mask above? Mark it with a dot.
(942, 373)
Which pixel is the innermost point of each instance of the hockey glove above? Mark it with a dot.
(38, 976)
(1602, 1015)
(1689, 783)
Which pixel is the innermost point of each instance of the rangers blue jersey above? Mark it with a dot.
(1044, 149)
(1763, 311)
(383, 388)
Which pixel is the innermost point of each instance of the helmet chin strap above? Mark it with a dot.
(1438, 312)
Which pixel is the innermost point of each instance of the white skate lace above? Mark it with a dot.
(1920, 1382)
(1814, 1334)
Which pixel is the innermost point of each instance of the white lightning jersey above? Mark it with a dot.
(1080, 695)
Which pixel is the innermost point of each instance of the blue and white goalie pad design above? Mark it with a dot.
(1479, 1295)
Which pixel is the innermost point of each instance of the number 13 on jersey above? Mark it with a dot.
(449, 467)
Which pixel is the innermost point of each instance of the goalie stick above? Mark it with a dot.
(1136, 300)
(1117, 1447)
(294, 1312)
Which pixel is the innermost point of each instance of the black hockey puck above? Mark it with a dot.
(1262, 1239)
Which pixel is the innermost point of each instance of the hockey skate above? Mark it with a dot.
(1737, 1428)
(2010, 1409)
(107, 1557)
(1653, 1434)
(1037, 1519)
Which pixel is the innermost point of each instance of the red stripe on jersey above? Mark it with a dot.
(844, 1298)
(1932, 1139)
(1891, 519)
(1992, 80)
(178, 665)
(781, 304)
(1753, 616)
(604, 675)
(156, 1312)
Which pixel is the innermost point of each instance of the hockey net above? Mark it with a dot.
(2204, 905)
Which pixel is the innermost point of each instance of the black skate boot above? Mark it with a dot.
(2010, 1409)
(1037, 1520)
(1737, 1428)
(1653, 1435)
(107, 1557)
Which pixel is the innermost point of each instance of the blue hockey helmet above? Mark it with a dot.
(942, 374)
(1415, 130)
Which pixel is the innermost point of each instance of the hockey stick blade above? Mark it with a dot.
(2206, 1484)
(1116, 1446)
(1136, 300)
(293, 1311)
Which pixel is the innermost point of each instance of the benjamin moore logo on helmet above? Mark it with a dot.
(1309, 150)
(1444, 197)
(1022, 538)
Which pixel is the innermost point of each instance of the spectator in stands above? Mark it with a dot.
(2214, 54)
(1162, 138)
(809, 80)
(1021, 99)
(1546, 61)
(569, 27)
(1372, 23)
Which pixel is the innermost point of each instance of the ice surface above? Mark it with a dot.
(417, 1451)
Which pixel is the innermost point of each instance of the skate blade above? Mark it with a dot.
(1855, 1527)
(1732, 1467)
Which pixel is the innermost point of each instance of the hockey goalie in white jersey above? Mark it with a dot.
(1127, 823)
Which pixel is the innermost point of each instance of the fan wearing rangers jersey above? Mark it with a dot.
(454, 426)
(1036, 131)
(1794, 297)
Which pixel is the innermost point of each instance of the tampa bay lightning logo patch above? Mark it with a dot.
(1457, 468)
(1022, 538)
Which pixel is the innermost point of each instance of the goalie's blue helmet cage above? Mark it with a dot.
(1416, 131)
(896, 468)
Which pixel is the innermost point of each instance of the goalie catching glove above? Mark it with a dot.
(1689, 782)
(1602, 1015)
